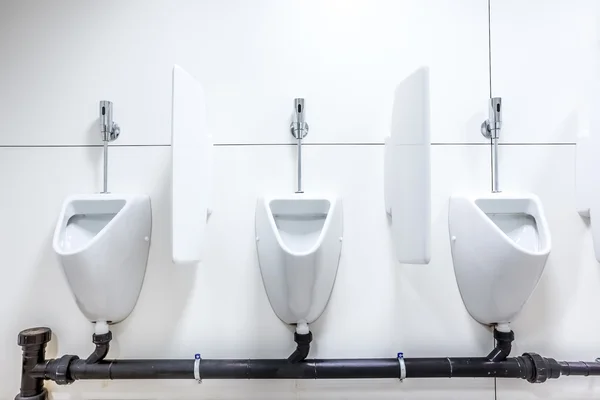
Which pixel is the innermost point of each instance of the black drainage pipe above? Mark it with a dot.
(530, 366)
(283, 369)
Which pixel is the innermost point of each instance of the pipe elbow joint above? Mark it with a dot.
(102, 342)
(302, 349)
(503, 346)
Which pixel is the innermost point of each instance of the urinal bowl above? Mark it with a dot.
(500, 243)
(102, 242)
(299, 240)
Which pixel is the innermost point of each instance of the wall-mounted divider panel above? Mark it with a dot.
(192, 168)
(587, 165)
(407, 170)
(587, 184)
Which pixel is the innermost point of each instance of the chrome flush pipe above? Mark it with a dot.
(110, 131)
(299, 129)
(490, 128)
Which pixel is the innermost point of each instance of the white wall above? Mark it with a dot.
(253, 58)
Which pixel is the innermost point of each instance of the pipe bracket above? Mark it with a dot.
(197, 361)
(402, 365)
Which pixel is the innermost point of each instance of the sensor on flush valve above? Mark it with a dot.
(110, 131)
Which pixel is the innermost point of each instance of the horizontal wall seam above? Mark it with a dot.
(381, 144)
(77, 146)
(84, 146)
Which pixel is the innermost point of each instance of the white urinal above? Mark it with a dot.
(102, 241)
(500, 243)
(299, 240)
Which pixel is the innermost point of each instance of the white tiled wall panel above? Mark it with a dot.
(544, 56)
(59, 58)
(344, 56)
(253, 57)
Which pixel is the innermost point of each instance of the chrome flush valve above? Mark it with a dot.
(108, 128)
(110, 131)
(490, 128)
(299, 127)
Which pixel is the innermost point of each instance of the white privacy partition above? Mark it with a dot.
(191, 157)
(587, 162)
(407, 170)
(587, 185)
